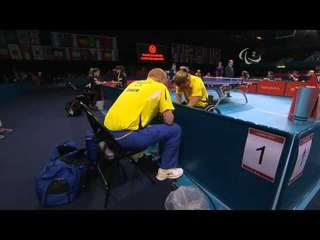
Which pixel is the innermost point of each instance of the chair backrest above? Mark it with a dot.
(102, 133)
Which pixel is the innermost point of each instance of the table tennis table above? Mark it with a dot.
(223, 86)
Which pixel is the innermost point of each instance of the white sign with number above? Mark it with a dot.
(262, 153)
(303, 154)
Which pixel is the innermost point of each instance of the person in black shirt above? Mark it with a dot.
(228, 71)
(172, 72)
(95, 86)
(270, 75)
(219, 70)
(245, 75)
(293, 76)
(121, 77)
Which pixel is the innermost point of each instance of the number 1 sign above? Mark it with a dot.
(262, 153)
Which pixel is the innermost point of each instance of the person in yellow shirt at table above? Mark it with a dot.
(193, 89)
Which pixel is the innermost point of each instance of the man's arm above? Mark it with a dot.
(193, 101)
(97, 81)
(168, 117)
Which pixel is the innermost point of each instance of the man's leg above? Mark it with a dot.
(169, 139)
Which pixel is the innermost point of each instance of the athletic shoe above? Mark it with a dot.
(172, 173)
(5, 130)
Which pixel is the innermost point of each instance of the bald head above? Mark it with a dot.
(158, 74)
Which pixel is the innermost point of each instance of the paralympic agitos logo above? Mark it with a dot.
(249, 57)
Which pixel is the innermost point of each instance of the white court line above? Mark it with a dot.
(273, 113)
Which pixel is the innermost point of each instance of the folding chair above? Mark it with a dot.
(104, 136)
(84, 95)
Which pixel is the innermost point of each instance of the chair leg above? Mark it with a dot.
(143, 171)
(102, 176)
(134, 175)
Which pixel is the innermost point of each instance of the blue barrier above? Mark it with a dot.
(212, 153)
(297, 193)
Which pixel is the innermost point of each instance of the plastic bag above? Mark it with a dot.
(187, 198)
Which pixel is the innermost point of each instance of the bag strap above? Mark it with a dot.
(76, 159)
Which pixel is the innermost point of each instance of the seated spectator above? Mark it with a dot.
(245, 75)
(95, 86)
(121, 77)
(198, 73)
(293, 76)
(310, 73)
(270, 75)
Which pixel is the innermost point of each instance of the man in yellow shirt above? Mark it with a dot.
(129, 117)
(193, 89)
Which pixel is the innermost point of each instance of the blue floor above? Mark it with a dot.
(265, 110)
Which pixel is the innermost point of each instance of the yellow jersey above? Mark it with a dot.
(196, 89)
(137, 105)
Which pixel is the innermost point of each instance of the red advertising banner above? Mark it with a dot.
(271, 88)
(291, 88)
(149, 52)
(250, 88)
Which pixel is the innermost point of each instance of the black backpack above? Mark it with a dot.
(73, 108)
